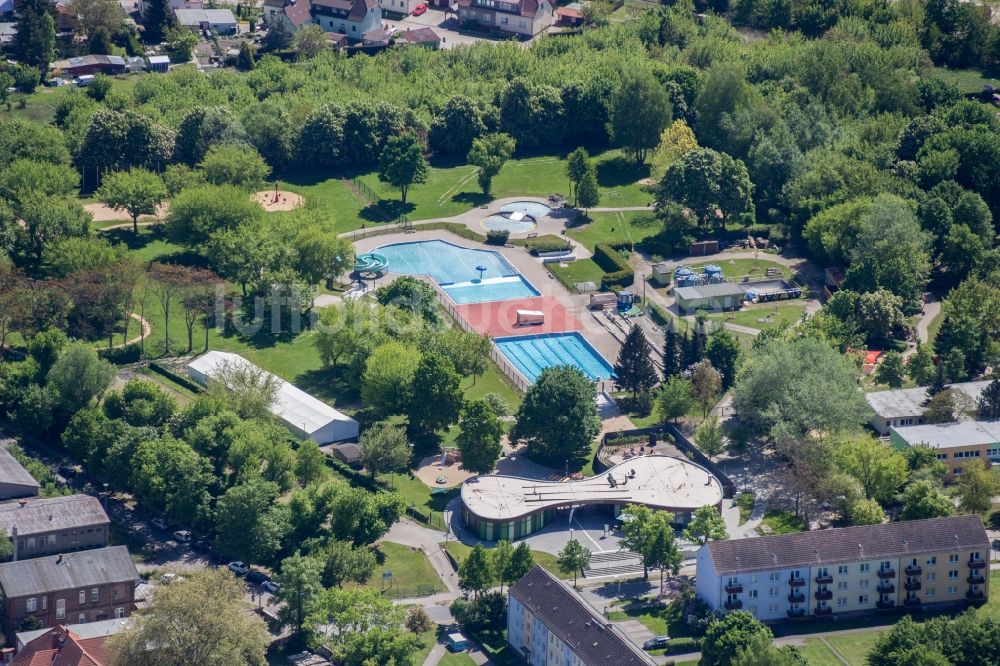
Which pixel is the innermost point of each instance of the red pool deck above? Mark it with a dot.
(499, 318)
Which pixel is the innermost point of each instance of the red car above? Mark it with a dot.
(419, 9)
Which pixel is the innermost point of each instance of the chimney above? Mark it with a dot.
(59, 559)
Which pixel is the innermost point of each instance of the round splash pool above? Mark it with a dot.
(533, 209)
(514, 223)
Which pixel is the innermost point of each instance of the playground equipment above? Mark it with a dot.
(370, 262)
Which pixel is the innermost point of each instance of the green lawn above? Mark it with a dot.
(763, 316)
(412, 573)
(735, 269)
(837, 648)
(349, 210)
(967, 80)
(456, 659)
(428, 640)
(818, 654)
(660, 620)
(547, 561)
(632, 227)
(495, 646)
(581, 270)
(934, 326)
(782, 522)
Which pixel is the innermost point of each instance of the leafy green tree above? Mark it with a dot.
(577, 166)
(435, 395)
(490, 153)
(140, 403)
(248, 525)
(573, 558)
(920, 365)
(138, 192)
(409, 293)
(245, 61)
(706, 525)
(988, 405)
(502, 554)
(381, 646)
(158, 21)
(202, 619)
(634, 371)
(476, 573)
(301, 583)
(891, 370)
(6, 548)
(558, 416)
(708, 182)
(879, 468)
(947, 406)
(649, 533)
(469, 352)
(723, 351)
(384, 449)
(459, 123)
(727, 637)
(521, 562)
(640, 110)
(24, 179)
(708, 436)
(197, 213)
(180, 45)
(761, 651)
(531, 113)
(339, 614)
(479, 438)
(706, 383)
(343, 562)
(310, 463)
(866, 512)
(310, 41)
(588, 194)
(236, 165)
(922, 499)
(977, 485)
(675, 398)
(724, 91)
(361, 517)
(321, 255)
(48, 219)
(35, 40)
(402, 163)
(77, 377)
(115, 141)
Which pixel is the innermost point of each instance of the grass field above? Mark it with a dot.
(782, 522)
(835, 650)
(735, 269)
(772, 314)
(966, 80)
(581, 270)
(628, 226)
(547, 561)
(456, 659)
(411, 571)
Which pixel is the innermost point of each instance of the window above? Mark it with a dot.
(733, 581)
(504, 20)
(953, 574)
(119, 613)
(974, 556)
(32, 605)
(773, 592)
(841, 584)
(930, 592)
(796, 574)
(81, 618)
(60, 609)
(114, 593)
(863, 599)
(94, 595)
(83, 596)
(823, 572)
(774, 575)
(45, 603)
(966, 454)
(52, 539)
(885, 566)
(932, 560)
(753, 578)
(865, 567)
(932, 576)
(31, 542)
(956, 470)
(952, 589)
(953, 558)
(863, 583)
(522, 24)
(772, 608)
(841, 601)
(752, 594)
(842, 569)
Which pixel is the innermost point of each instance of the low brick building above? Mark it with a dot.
(55, 525)
(90, 586)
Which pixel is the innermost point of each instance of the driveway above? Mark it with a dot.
(444, 24)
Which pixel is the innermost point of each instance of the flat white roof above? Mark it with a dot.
(658, 481)
(951, 435)
(901, 403)
(158, 60)
(716, 290)
(292, 405)
(199, 16)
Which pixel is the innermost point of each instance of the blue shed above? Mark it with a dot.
(457, 642)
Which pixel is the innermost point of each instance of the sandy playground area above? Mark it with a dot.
(430, 469)
(272, 201)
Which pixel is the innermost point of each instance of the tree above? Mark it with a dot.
(502, 555)
(920, 364)
(140, 403)
(245, 60)
(158, 21)
(321, 255)
(649, 533)
(675, 398)
(384, 449)
(345, 563)
(77, 377)
(708, 436)
(490, 153)
(708, 182)
(634, 371)
(922, 499)
(248, 390)
(588, 194)
(138, 192)
(247, 524)
(48, 219)
(558, 416)
(6, 548)
(300, 581)
(573, 558)
(879, 468)
(723, 351)
(340, 614)
(402, 163)
(409, 293)
(197, 213)
(202, 619)
(417, 620)
(479, 438)
(947, 406)
(239, 166)
(310, 463)
(25, 179)
(730, 635)
(388, 377)
(458, 124)
(115, 141)
(35, 41)
(977, 486)
(521, 562)
(309, 41)
(675, 141)
(892, 370)
(866, 512)
(435, 395)
(469, 352)
(988, 406)
(180, 45)
(577, 166)
(79, 254)
(706, 383)
(640, 110)
(476, 573)
(706, 525)
(761, 651)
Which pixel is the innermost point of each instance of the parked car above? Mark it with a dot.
(271, 586)
(238, 568)
(168, 578)
(257, 577)
(84, 80)
(419, 10)
(183, 536)
(160, 523)
(656, 643)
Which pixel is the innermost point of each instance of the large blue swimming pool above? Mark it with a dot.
(533, 353)
(455, 269)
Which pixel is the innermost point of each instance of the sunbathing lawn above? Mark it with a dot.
(547, 561)
(581, 270)
(735, 269)
(456, 659)
(763, 316)
(412, 573)
(621, 227)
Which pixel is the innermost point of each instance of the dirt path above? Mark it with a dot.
(146, 330)
(104, 213)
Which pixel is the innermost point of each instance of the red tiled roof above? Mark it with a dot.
(52, 649)
(526, 8)
(418, 36)
(298, 13)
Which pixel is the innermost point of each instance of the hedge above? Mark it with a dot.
(175, 377)
(121, 355)
(549, 243)
(618, 272)
(497, 237)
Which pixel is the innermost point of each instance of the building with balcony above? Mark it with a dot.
(548, 624)
(956, 443)
(848, 571)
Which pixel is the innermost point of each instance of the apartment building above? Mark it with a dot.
(851, 570)
(957, 443)
(39, 527)
(905, 407)
(548, 624)
(524, 18)
(89, 586)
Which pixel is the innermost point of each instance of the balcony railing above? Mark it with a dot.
(911, 585)
(886, 573)
(978, 595)
(797, 612)
(796, 582)
(976, 579)
(823, 610)
(913, 570)
(887, 588)
(734, 605)
(824, 579)
(911, 601)
(977, 564)
(734, 588)
(824, 595)
(885, 605)
(796, 598)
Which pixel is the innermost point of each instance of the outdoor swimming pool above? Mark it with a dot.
(456, 269)
(532, 208)
(517, 223)
(531, 354)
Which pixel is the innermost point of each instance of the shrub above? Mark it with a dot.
(546, 244)
(121, 355)
(618, 272)
(417, 620)
(618, 279)
(497, 237)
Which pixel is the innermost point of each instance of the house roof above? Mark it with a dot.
(356, 9)
(59, 646)
(158, 60)
(196, 17)
(299, 13)
(951, 435)
(89, 61)
(68, 571)
(709, 291)
(98, 629)
(40, 515)
(418, 36)
(901, 403)
(13, 473)
(848, 544)
(575, 622)
(526, 8)
(378, 35)
(275, 3)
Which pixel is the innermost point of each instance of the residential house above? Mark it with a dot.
(292, 14)
(68, 645)
(90, 64)
(848, 571)
(571, 14)
(419, 37)
(524, 18)
(174, 4)
(400, 7)
(40, 527)
(220, 21)
(956, 443)
(548, 624)
(15, 481)
(88, 586)
(353, 18)
(905, 407)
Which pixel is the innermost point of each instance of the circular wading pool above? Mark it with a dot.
(513, 222)
(533, 209)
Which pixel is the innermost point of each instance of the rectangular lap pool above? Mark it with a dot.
(531, 354)
(457, 270)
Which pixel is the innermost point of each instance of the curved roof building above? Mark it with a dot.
(497, 506)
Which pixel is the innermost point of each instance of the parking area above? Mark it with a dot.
(445, 24)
